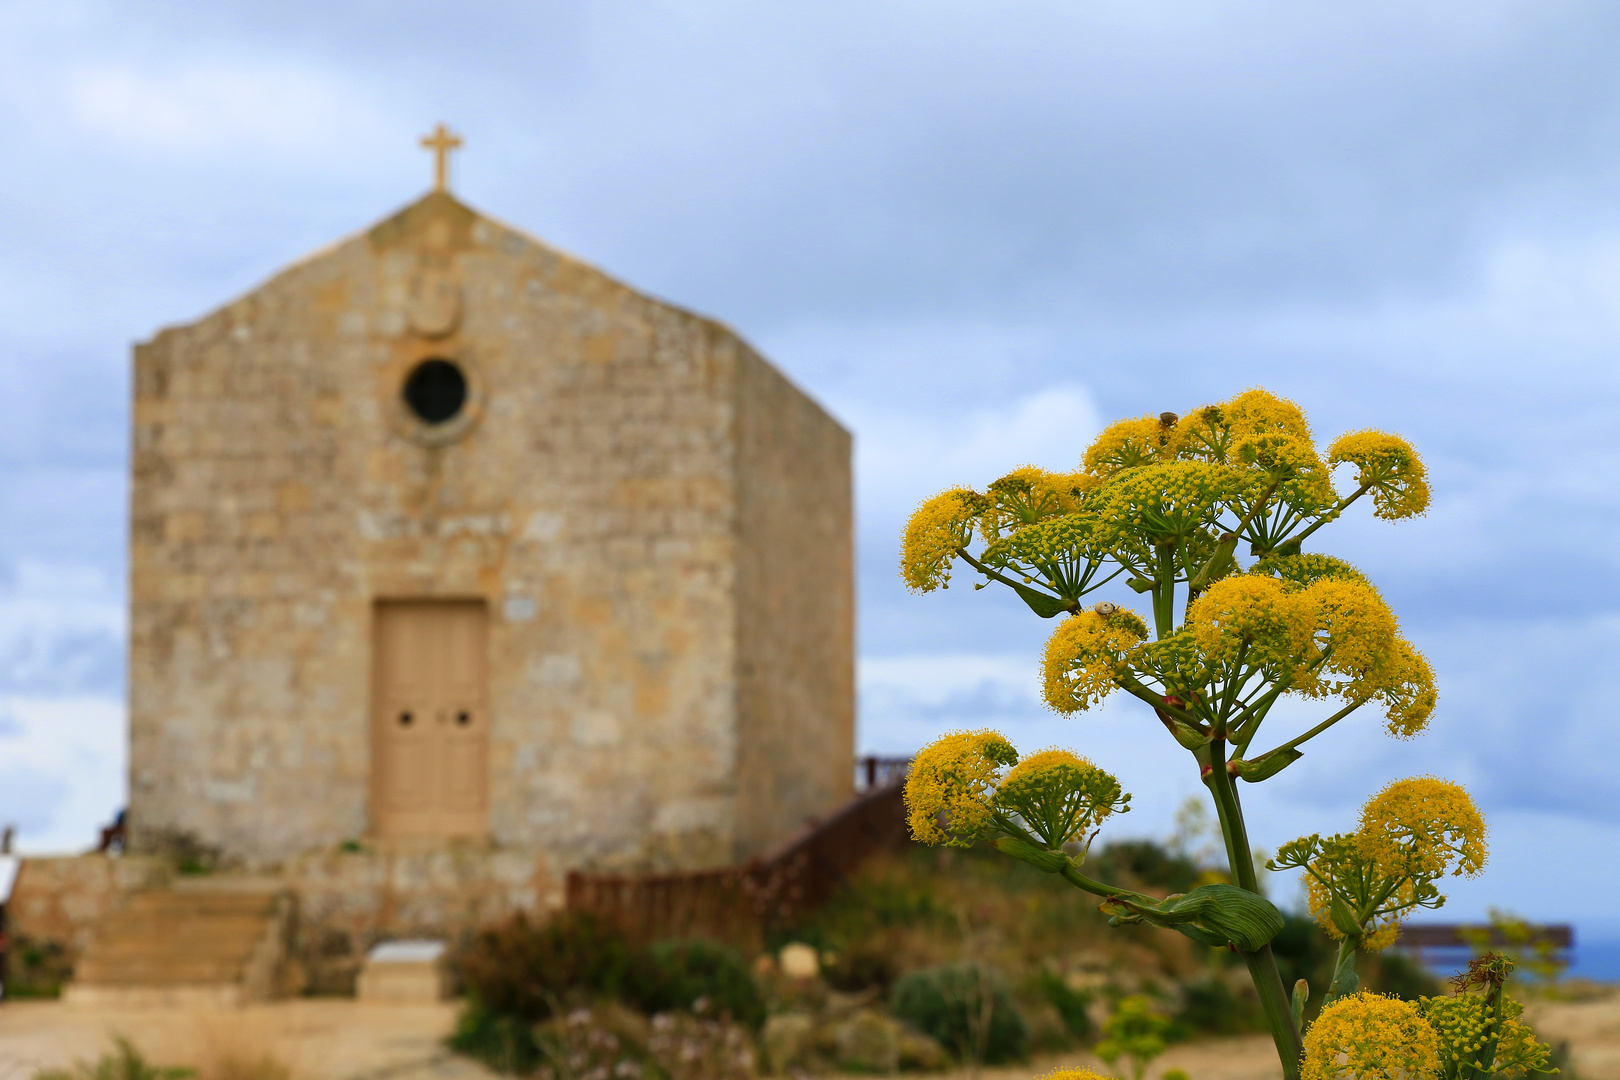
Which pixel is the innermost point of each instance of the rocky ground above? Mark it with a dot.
(335, 1039)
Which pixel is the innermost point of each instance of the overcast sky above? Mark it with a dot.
(975, 232)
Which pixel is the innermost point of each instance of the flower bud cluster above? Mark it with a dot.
(1413, 832)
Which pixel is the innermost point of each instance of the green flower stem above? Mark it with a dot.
(1007, 581)
(1345, 979)
(1495, 998)
(1224, 550)
(1230, 813)
(1164, 594)
(1279, 1011)
(1262, 963)
(1318, 729)
(1337, 510)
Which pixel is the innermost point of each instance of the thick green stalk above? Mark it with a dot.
(1495, 998)
(1279, 1011)
(1164, 594)
(1262, 964)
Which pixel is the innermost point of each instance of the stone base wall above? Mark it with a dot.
(349, 901)
(62, 899)
(345, 902)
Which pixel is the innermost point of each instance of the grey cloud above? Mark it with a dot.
(1403, 216)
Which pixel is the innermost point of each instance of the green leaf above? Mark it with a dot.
(1052, 862)
(1344, 918)
(1245, 919)
(1264, 768)
(1140, 584)
(1040, 603)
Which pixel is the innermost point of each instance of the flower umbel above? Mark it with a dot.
(1361, 885)
(1422, 828)
(949, 791)
(1084, 656)
(1125, 444)
(938, 529)
(1060, 796)
(1388, 466)
(1465, 1025)
(1369, 1037)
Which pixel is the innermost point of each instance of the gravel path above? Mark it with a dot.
(338, 1039)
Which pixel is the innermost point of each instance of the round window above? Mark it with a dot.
(436, 390)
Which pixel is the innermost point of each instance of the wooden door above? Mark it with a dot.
(430, 742)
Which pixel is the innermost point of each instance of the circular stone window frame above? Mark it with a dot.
(406, 423)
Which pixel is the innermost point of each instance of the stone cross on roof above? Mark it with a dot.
(441, 142)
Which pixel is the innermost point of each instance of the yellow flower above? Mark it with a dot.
(1259, 410)
(1407, 692)
(1368, 1037)
(1084, 653)
(1358, 630)
(937, 530)
(1175, 499)
(1028, 495)
(1213, 432)
(1252, 620)
(1073, 1074)
(1060, 795)
(1125, 444)
(1389, 467)
(1421, 828)
(949, 789)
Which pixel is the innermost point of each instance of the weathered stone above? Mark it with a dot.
(788, 1041)
(868, 1041)
(799, 961)
(921, 1052)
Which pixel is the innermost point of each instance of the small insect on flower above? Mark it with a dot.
(1084, 654)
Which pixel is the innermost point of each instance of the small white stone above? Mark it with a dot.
(799, 961)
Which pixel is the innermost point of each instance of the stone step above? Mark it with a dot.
(211, 941)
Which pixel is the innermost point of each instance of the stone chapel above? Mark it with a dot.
(443, 539)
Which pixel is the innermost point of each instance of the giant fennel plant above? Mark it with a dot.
(1205, 518)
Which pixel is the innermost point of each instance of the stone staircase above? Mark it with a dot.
(207, 943)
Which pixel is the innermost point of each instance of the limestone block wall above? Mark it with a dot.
(62, 899)
(596, 494)
(795, 609)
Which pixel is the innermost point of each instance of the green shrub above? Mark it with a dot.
(676, 975)
(950, 1002)
(1400, 974)
(1147, 862)
(1069, 1003)
(1209, 1006)
(1135, 1031)
(504, 1043)
(524, 970)
(859, 969)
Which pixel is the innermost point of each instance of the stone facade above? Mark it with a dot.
(658, 523)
